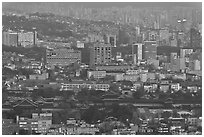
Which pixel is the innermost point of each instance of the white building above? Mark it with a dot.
(132, 72)
(81, 85)
(175, 86)
(96, 74)
(27, 38)
(80, 44)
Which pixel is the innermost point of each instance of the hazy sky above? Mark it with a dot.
(117, 4)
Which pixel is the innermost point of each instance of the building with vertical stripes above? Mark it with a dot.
(100, 54)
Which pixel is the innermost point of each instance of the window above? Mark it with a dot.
(23, 123)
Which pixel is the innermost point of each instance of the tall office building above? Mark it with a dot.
(24, 39)
(137, 50)
(62, 57)
(100, 54)
(10, 38)
(150, 50)
(137, 30)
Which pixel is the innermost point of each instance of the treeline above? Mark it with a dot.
(34, 52)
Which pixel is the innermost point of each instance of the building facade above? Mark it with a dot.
(150, 50)
(137, 50)
(62, 57)
(78, 86)
(27, 38)
(10, 38)
(110, 39)
(100, 54)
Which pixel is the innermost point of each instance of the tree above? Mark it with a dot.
(114, 87)
(166, 116)
(175, 114)
(139, 93)
(106, 127)
(92, 115)
(127, 83)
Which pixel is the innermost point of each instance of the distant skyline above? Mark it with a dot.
(109, 4)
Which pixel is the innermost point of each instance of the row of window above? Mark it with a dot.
(64, 58)
(103, 48)
(84, 86)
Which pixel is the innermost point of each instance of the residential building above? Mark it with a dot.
(193, 121)
(38, 123)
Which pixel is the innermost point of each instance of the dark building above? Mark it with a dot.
(123, 37)
(150, 50)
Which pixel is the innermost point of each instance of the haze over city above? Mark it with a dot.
(93, 68)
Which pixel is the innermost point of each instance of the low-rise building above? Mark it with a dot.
(175, 86)
(164, 87)
(38, 123)
(96, 74)
(194, 121)
(132, 72)
(80, 44)
(113, 68)
(43, 76)
(82, 84)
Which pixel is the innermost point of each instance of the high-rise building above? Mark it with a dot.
(150, 50)
(10, 38)
(19, 39)
(62, 57)
(27, 38)
(100, 54)
(137, 50)
(137, 28)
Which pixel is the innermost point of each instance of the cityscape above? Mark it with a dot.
(102, 68)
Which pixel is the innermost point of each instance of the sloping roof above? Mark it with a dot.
(198, 73)
(26, 102)
(40, 99)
